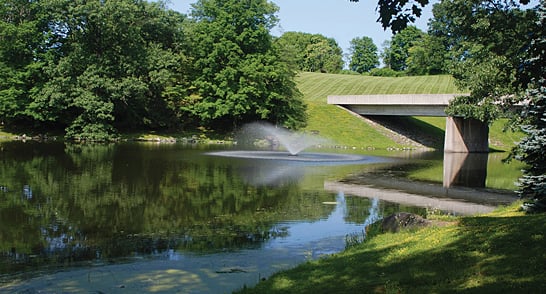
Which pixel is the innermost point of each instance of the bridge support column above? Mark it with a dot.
(466, 135)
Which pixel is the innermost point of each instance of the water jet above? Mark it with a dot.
(278, 137)
(284, 145)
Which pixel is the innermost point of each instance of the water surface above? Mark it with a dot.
(173, 217)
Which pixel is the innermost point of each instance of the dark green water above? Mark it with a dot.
(66, 209)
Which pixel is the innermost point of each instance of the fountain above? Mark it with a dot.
(284, 145)
(293, 142)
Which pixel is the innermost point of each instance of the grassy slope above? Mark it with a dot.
(501, 252)
(345, 129)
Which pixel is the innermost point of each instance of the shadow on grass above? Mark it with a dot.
(480, 255)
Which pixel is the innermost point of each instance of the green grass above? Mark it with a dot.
(500, 252)
(344, 128)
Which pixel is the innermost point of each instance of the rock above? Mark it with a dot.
(403, 220)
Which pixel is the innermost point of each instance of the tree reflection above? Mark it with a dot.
(68, 204)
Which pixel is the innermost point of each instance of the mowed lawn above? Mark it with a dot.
(347, 129)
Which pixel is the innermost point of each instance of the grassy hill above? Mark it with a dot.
(347, 129)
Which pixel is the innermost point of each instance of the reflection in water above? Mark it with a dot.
(373, 213)
(167, 206)
(270, 173)
(465, 169)
(81, 205)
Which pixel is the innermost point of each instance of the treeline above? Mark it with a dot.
(409, 52)
(94, 68)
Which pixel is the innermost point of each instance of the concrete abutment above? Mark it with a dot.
(466, 135)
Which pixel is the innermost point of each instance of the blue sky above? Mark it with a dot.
(338, 19)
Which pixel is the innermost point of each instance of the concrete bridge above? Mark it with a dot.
(461, 135)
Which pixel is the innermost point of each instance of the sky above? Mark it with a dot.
(339, 19)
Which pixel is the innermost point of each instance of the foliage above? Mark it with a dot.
(364, 55)
(386, 72)
(475, 254)
(238, 76)
(21, 42)
(487, 41)
(95, 68)
(397, 14)
(531, 149)
(396, 54)
(311, 52)
(427, 56)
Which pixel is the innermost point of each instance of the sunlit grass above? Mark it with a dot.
(344, 128)
(501, 252)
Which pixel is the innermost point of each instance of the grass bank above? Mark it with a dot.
(500, 252)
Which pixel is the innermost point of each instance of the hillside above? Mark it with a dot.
(351, 130)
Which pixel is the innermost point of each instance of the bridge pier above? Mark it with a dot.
(461, 135)
(466, 135)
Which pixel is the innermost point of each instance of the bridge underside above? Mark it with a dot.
(400, 110)
(461, 135)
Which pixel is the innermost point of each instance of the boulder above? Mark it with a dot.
(403, 220)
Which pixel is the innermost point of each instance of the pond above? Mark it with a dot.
(164, 218)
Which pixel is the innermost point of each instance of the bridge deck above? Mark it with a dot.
(395, 104)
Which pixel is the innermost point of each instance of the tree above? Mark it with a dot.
(21, 56)
(427, 56)
(239, 77)
(396, 14)
(90, 67)
(531, 149)
(364, 55)
(311, 52)
(323, 55)
(487, 41)
(396, 54)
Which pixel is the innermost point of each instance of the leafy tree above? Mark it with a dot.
(488, 41)
(396, 14)
(323, 55)
(92, 67)
(396, 54)
(311, 52)
(427, 56)
(239, 77)
(21, 55)
(364, 55)
(531, 149)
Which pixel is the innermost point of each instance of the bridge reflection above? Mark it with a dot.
(465, 169)
(463, 190)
